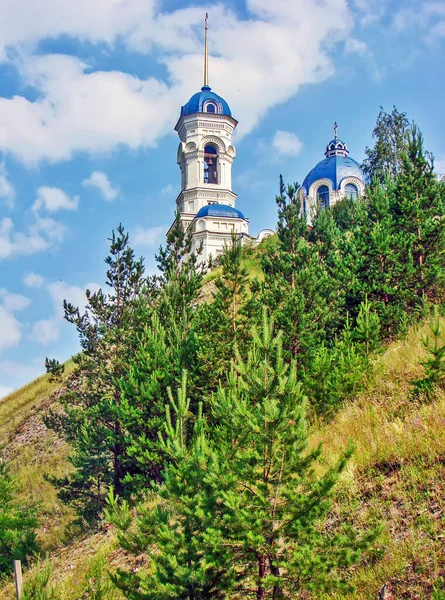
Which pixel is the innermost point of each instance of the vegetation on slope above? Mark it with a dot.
(335, 295)
(395, 478)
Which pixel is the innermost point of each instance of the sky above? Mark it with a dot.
(89, 96)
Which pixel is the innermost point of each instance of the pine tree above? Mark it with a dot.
(418, 205)
(367, 330)
(181, 285)
(18, 524)
(382, 270)
(225, 321)
(298, 285)
(241, 512)
(434, 362)
(336, 373)
(187, 560)
(92, 420)
(403, 239)
(54, 369)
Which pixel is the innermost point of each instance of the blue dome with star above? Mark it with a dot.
(219, 210)
(206, 101)
(336, 166)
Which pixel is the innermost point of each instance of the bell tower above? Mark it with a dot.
(205, 152)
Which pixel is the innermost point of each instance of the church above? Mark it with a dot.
(207, 203)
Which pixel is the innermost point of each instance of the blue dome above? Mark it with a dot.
(219, 210)
(335, 168)
(198, 100)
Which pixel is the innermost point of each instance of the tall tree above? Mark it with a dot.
(91, 419)
(418, 205)
(182, 273)
(298, 286)
(241, 512)
(391, 139)
(225, 320)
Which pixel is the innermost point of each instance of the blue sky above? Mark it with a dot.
(89, 96)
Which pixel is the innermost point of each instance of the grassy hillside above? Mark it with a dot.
(396, 479)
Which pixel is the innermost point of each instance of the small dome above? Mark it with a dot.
(206, 101)
(336, 148)
(219, 210)
(336, 166)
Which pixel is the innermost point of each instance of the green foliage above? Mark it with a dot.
(232, 501)
(98, 585)
(241, 510)
(18, 522)
(391, 135)
(434, 362)
(54, 369)
(93, 415)
(367, 329)
(298, 287)
(37, 584)
(224, 322)
(337, 373)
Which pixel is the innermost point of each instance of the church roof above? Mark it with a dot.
(198, 100)
(219, 210)
(336, 166)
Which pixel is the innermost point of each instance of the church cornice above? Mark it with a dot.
(206, 194)
(206, 120)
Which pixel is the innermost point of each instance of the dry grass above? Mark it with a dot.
(396, 477)
(21, 404)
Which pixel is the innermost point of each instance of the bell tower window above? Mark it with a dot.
(210, 107)
(323, 196)
(210, 164)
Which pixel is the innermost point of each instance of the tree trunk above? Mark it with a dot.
(260, 593)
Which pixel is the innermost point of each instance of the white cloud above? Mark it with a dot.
(13, 302)
(53, 199)
(100, 180)
(355, 46)
(24, 23)
(60, 291)
(7, 191)
(42, 234)
(26, 371)
(168, 190)
(150, 236)
(48, 330)
(438, 30)
(286, 142)
(426, 16)
(435, 8)
(10, 329)
(256, 64)
(439, 165)
(33, 280)
(5, 390)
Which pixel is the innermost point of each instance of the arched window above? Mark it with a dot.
(323, 196)
(210, 107)
(351, 191)
(210, 164)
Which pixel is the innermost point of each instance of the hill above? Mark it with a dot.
(395, 479)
